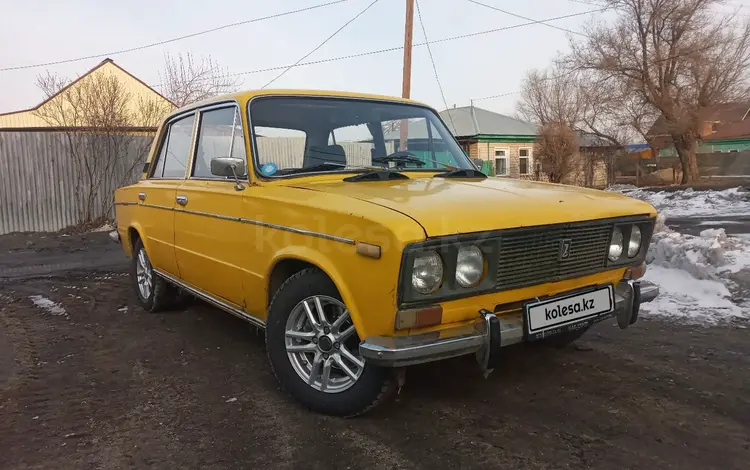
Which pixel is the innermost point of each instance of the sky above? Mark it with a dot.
(38, 31)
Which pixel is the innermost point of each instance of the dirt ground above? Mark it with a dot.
(110, 386)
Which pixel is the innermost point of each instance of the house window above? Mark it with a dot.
(524, 161)
(501, 162)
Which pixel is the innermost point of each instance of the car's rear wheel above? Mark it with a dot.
(153, 292)
(314, 349)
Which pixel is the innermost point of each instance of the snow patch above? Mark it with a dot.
(104, 228)
(48, 306)
(682, 296)
(692, 203)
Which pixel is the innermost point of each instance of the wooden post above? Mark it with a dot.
(406, 83)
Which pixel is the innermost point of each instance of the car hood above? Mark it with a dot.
(451, 206)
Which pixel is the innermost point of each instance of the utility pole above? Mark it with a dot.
(406, 84)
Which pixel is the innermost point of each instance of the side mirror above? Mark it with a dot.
(229, 167)
(478, 162)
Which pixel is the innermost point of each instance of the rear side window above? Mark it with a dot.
(175, 150)
(219, 135)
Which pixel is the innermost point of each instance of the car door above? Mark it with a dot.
(157, 193)
(208, 233)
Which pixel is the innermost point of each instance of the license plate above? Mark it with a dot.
(567, 312)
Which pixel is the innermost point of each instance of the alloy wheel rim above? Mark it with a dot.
(144, 274)
(322, 344)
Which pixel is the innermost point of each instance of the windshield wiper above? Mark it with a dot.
(462, 173)
(400, 158)
(377, 175)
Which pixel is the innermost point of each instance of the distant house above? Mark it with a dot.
(505, 143)
(139, 94)
(725, 128)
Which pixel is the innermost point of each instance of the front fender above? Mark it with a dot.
(328, 266)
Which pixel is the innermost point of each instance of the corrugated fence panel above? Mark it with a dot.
(43, 189)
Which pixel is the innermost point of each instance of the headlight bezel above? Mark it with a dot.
(646, 228)
(448, 251)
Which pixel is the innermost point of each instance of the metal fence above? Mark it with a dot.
(41, 186)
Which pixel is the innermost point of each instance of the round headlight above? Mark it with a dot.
(634, 245)
(427, 272)
(469, 266)
(615, 246)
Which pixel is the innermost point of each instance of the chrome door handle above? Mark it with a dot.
(142, 196)
(182, 200)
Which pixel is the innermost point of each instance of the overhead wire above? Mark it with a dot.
(434, 67)
(321, 44)
(398, 48)
(178, 38)
(526, 18)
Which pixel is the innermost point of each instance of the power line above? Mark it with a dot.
(398, 48)
(321, 44)
(179, 38)
(434, 67)
(526, 18)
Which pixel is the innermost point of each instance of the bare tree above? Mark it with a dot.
(674, 57)
(551, 97)
(555, 149)
(186, 80)
(97, 122)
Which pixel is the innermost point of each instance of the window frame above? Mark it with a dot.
(164, 139)
(196, 135)
(253, 144)
(506, 158)
(529, 161)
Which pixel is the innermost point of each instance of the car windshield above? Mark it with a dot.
(303, 135)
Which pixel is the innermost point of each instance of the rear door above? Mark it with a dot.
(208, 233)
(157, 193)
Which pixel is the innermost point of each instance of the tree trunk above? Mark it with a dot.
(686, 147)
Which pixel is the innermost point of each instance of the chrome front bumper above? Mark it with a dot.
(488, 332)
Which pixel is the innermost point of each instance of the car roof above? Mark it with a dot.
(243, 97)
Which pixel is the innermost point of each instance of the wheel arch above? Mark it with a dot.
(293, 259)
(133, 233)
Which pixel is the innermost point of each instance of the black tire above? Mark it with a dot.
(162, 295)
(565, 339)
(374, 384)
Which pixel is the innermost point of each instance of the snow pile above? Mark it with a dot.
(48, 306)
(690, 203)
(692, 273)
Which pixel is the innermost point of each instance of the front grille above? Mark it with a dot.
(532, 256)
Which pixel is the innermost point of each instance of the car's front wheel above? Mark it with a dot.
(314, 349)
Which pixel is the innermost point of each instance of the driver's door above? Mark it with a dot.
(208, 231)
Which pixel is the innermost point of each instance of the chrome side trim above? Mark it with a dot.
(154, 206)
(300, 231)
(208, 214)
(213, 301)
(126, 203)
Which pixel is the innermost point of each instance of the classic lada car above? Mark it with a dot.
(356, 232)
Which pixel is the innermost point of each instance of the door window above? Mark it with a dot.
(219, 135)
(175, 150)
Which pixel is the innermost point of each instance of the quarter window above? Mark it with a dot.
(175, 149)
(219, 135)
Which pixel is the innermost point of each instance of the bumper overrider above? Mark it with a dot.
(489, 333)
